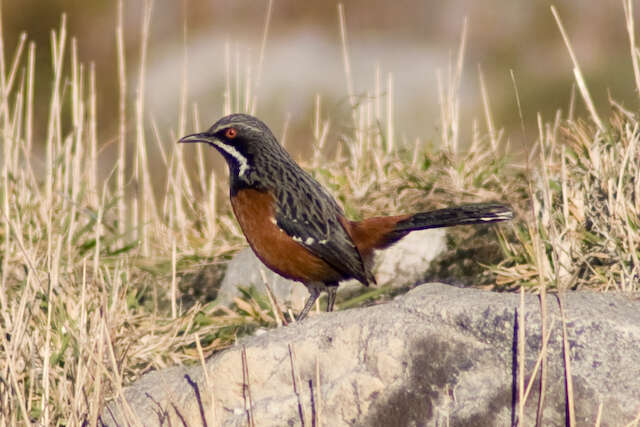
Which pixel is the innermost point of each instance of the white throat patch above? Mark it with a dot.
(243, 164)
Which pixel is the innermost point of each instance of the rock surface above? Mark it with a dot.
(438, 355)
(403, 264)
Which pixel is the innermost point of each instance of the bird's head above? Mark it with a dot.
(243, 140)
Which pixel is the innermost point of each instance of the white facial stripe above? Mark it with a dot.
(242, 160)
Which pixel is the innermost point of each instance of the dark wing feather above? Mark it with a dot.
(310, 216)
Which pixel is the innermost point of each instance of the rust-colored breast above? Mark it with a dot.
(255, 213)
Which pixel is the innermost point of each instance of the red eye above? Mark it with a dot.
(231, 133)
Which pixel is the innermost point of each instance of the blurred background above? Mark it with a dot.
(303, 57)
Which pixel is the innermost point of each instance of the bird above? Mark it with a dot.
(296, 227)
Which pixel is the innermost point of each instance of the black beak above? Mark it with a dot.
(196, 137)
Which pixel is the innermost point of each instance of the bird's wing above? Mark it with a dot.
(310, 216)
(331, 243)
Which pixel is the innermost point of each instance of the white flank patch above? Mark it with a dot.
(242, 160)
(308, 241)
(323, 242)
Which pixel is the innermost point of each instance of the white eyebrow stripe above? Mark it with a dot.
(237, 125)
(242, 160)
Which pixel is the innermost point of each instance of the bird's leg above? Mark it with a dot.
(332, 291)
(314, 293)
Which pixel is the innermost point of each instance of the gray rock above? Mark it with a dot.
(404, 263)
(438, 355)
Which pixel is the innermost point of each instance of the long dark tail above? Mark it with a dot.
(480, 213)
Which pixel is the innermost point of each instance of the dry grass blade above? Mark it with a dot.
(584, 91)
(207, 380)
(174, 290)
(599, 416)
(246, 389)
(635, 421)
(277, 312)
(263, 48)
(521, 357)
(631, 32)
(346, 61)
(318, 388)
(122, 122)
(295, 380)
(567, 364)
(517, 94)
(545, 333)
(539, 363)
(146, 204)
(449, 96)
(487, 111)
(115, 369)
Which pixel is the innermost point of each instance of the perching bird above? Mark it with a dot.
(296, 227)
